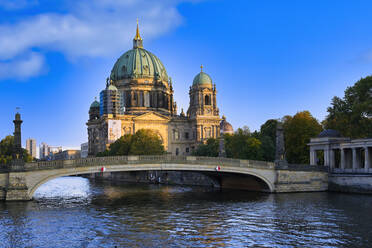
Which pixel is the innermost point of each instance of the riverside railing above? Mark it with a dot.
(151, 159)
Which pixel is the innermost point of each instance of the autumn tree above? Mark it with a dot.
(297, 133)
(352, 114)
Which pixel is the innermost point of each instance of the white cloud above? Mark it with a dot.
(95, 28)
(20, 68)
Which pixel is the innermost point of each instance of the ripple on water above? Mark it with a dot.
(74, 212)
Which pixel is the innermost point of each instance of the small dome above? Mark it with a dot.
(112, 87)
(329, 133)
(202, 79)
(226, 127)
(94, 104)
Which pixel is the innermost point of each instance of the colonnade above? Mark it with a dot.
(355, 156)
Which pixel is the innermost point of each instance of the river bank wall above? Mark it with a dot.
(350, 183)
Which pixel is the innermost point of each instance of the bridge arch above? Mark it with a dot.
(41, 177)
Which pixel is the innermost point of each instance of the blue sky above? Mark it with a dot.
(268, 58)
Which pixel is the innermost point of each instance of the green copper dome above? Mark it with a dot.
(95, 104)
(202, 79)
(138, 63)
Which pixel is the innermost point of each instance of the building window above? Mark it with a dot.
(177, 151)
(176, 135)
(207, 100)
(187, 150)
(186, 135)
(208, 132)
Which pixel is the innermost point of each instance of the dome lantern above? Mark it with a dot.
(137, 41)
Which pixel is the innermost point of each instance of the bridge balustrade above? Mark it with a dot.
(116, 160)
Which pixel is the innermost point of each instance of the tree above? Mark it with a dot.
(210, 149)
(352, 115)
(146, 142)
(267, 148)
(121, 146)
(297, 133)
(242, 145)
(143, 142)
(6, 150)
(268, 139)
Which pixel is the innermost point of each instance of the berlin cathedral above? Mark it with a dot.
(139, 95)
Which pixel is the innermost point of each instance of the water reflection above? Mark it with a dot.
(73, 212)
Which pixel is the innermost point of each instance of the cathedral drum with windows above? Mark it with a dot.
(139, 95)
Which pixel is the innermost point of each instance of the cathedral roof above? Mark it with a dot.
(138, 63)
(202, 79)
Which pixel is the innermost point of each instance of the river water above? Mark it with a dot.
(75, 212)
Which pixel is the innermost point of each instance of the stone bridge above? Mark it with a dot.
(20, 183)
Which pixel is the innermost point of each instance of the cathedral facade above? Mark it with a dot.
(139, 95)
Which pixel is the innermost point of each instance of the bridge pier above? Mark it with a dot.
(16, 188)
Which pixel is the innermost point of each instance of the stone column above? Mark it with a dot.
(367, 159)
(17, 163)
(313, 158)
(355, 159)
(332, 159)
(280, 149)
(343, 161)
(326, 157)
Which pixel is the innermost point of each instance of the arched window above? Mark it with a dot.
(207, 100)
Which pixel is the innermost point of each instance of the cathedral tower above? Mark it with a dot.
(202, 93)
(203, 107)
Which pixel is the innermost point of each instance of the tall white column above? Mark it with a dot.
(343, 160)
(367, 159)
(355, 159)
(313, 157)
(332, 159)
(326, 157)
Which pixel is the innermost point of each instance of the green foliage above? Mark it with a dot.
(269, 129)
(297, 133)
(122, 146)
(6, 149)
(352, 115)
(210, 149)
(268, 139)
(146, 142)
(243, 145)
(143, 142)
(267, 148)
